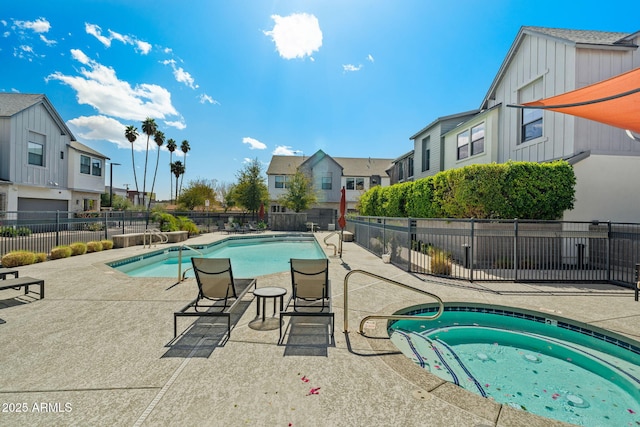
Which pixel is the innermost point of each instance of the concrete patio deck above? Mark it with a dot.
(96, 351)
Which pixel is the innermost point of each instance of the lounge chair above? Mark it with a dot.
(20, 282)
(311, 291)
(216, 284)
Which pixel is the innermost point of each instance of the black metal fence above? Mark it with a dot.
(509, 250)
(40, 231)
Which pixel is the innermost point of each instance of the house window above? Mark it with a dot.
(463, 145)
(477, 139)
(282, 181)
(400, 171)
(96, 167)
(531, 124)
(426, 154)
(410, 167)
(326, 182)
(85, 165)
(355, 183)
(36, 154)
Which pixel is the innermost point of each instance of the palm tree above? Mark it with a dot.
(149, 127)
(159, 140)
(184, 147)
(171, 146)
(131, 133)
(177, 168)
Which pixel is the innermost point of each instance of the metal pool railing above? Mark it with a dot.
(505, 250)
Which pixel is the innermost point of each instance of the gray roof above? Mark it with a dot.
(85, 149)
(583, 36)
(351, 166)
(13, 103)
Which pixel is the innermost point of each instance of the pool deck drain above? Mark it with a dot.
(96, 351)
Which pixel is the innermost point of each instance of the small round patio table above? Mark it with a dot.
(262, 294)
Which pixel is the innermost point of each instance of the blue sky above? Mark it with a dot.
(248, 79)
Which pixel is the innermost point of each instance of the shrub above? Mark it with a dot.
(95, 226)
(8, 232)
(166, 221)
(185, 224)
(60, 252)
(94, 246)
(18, 258)
(107, 244)
(41, 257)
(23, 231)
(440, 261)
(78, 248)
(527, 190)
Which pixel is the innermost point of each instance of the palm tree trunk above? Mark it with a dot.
(144, 181)
(135, 178)
(185, 169)
(154, 178)
(170, 180)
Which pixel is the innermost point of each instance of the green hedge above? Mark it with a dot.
(526, 190)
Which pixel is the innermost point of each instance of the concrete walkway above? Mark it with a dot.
(96, 351)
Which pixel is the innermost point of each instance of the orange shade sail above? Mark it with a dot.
(615, 101)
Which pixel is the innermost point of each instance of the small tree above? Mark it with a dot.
(300, 195)
(251, 190)
(224, 192)
(196, 193)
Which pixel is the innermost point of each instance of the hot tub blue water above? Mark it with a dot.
(250, 256)
(548, 366)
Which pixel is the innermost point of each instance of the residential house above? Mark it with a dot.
(329, 174)
(428, 143)
(42, 166)
(543, 62)
(402, 169)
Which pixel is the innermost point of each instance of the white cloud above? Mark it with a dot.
(206, 98)
(98, 86)
(254, 144)
(47, 41)
(79, 56)
(176, 124)
(184, 77)
(296, 36)
(350, 67)
(370, 58)
(102, 128)
(40, 25)
(143, 46)
(96, 31)
(283, 150)
(180, 74)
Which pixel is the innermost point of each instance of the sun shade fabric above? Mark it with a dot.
(615, 101)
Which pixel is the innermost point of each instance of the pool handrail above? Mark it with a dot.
(181, 276)
(153, 232)
(387, 316)
(335, 248)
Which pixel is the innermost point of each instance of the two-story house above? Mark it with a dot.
(328, 174)
(543, 62)
(42, 166)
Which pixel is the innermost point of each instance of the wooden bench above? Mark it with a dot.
(22, 282)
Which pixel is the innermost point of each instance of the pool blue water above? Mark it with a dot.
(250, 257)
(529, 365)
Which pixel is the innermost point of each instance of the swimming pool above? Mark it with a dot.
(250, 256)
(543, 364)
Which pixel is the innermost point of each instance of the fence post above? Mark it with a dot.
(609, 249)
(473, 223)
(515, 249)
(106, 224)
(57, 228)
